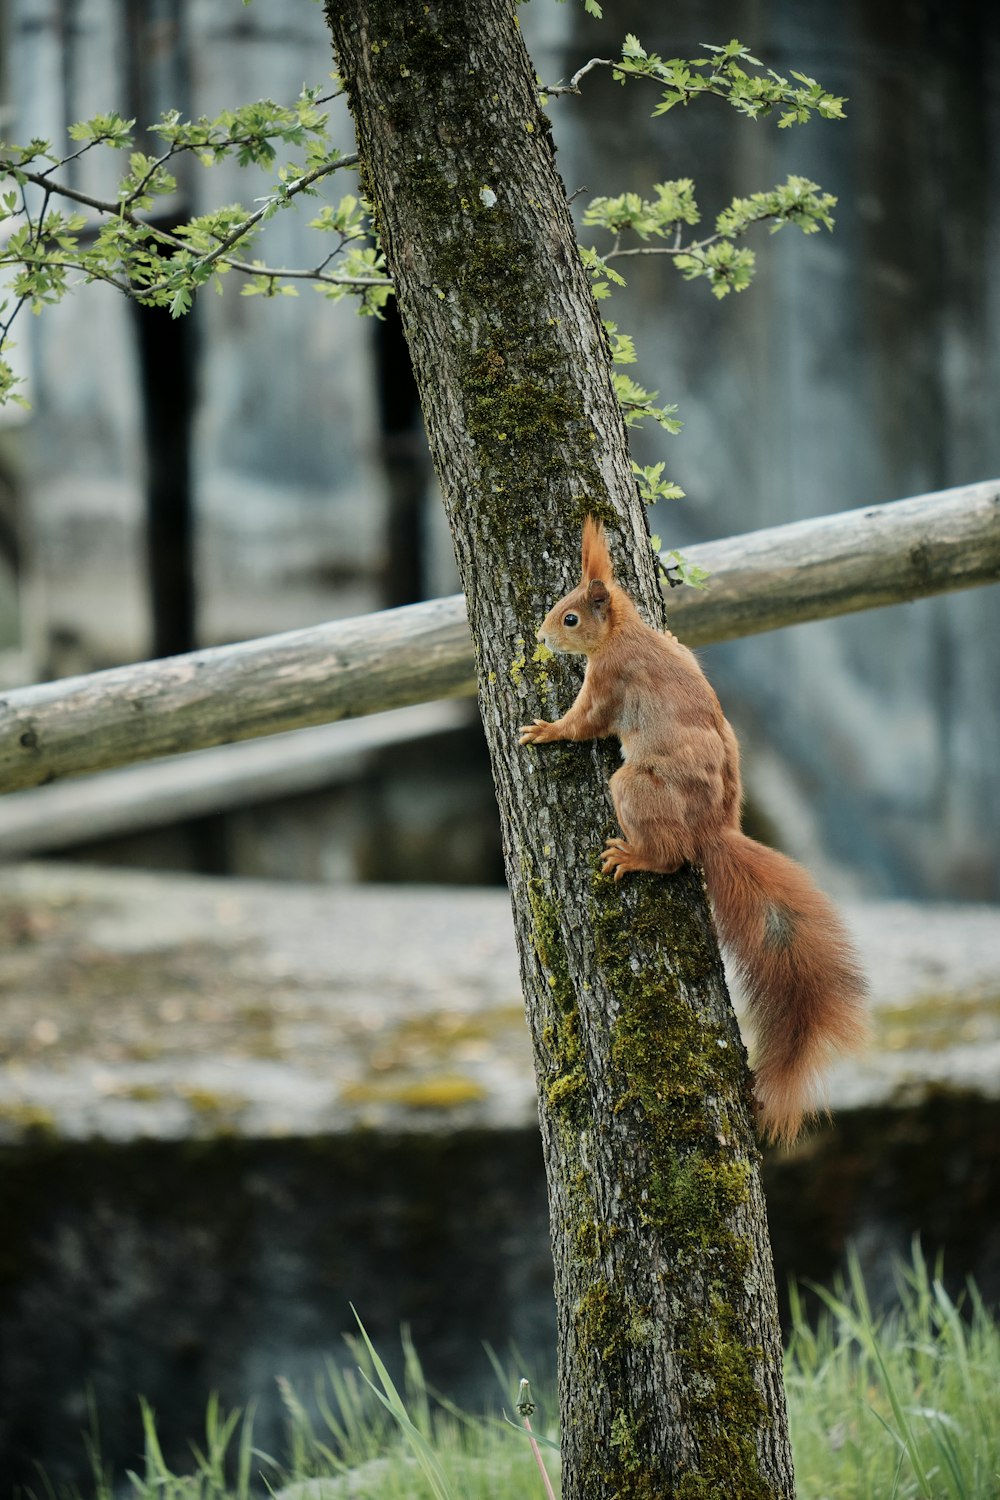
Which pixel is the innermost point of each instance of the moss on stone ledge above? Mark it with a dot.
(445, 1091)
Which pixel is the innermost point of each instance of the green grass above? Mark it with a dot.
(905, 1404)
(900, 1405)
(360, 1437)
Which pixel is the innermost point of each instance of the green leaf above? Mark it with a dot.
(180, 303)
(637, 404)
(348, 218)
(673, 204)
(601, 274)
(622, 345)
(796, 201)
(110, 129)
(726, 268)
(727, 75)
(9, 383)
(651, 484)
(687, 572)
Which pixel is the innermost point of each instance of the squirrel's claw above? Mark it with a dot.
(534, 733)
(618, 857)
(615, 858)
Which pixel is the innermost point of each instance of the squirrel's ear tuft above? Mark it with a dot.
(596, 557)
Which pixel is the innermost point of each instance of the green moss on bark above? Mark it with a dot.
(519, 394)
(565, 1084)
(684, 1079)
(696, 1160)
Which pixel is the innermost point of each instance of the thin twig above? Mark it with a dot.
(291, 273)
(691, 249)
(97, 140)
(244, 268)
(242, 229)
(120, 211)
(163, 237)
(91, 273)
(160, 162)
(573, 87)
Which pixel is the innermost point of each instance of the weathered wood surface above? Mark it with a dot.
(342, 670)
(161, 792)
(783, 575)
(839, 564)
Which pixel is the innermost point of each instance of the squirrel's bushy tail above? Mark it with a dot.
(804, 989)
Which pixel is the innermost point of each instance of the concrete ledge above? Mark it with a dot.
(148, 1006)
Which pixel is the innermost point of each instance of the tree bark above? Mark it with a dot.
(669, 1354)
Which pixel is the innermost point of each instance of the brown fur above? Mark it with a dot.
(678, 797)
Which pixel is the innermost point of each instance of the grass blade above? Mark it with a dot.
(391, 1399)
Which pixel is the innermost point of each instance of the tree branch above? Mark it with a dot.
(573, 87)
(242, 229)
(217, 255)
(292, 273)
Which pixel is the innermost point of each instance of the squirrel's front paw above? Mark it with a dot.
(536, 733)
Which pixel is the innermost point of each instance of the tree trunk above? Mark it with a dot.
(669, 1353)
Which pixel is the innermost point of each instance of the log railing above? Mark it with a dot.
(875, 555)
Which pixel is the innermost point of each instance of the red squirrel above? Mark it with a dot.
(678, 798)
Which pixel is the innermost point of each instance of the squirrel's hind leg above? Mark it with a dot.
(649, 815)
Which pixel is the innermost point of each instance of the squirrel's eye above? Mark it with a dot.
(571, 619)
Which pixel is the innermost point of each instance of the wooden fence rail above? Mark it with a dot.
(876, 555)
(226, 778)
